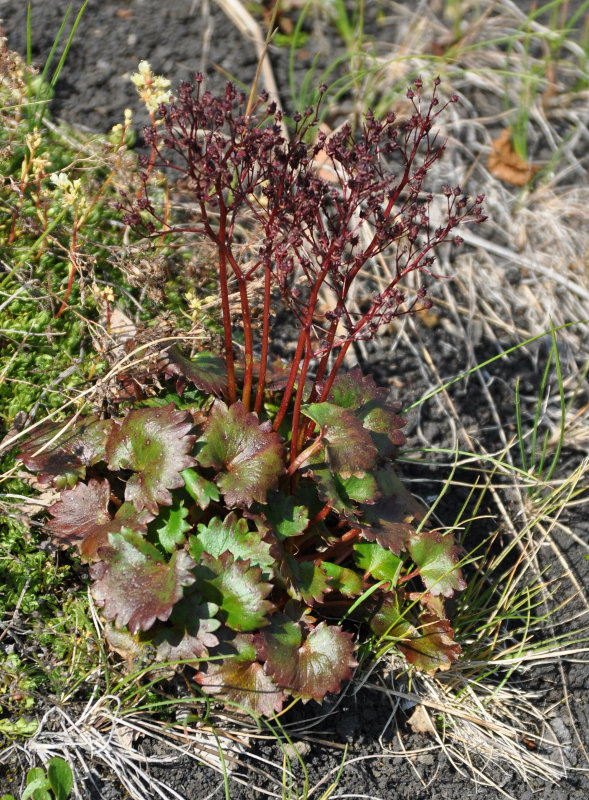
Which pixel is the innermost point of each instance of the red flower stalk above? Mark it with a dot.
(314, 233)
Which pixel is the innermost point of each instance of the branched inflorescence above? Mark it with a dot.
(315, 231)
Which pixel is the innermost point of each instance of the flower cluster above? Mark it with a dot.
(315, 233)
(153, 89)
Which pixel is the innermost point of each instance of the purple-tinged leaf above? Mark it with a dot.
(390, 521)
(200, 489)
(154, 443)
(349, 447)
(433, 648)
(237, 588)
(343, 580)
(375, 560)
(430, 646)
(173, 525)
(64, 462)
(82, 514)
(285, 516)
(437, 557)
(305, 580)
(231, 535)
(134, 585)
(81, 517)
(248, 456)
(241, 679)
(192, 631)
(353, 390)
(308, 668)
(205, 370)
(369, 402)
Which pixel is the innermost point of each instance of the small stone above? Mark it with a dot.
(297, 750)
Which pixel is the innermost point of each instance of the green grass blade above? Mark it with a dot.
(476, 368)
(67, 46)
(292, 54)
(562, 405)
(58, 69)
(54, 45)
(223, 765)
(520, 434)
(538, 412)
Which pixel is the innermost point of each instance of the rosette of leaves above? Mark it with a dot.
(207, 547)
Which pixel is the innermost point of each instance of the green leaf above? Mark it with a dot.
(349, 447)
(206, 371)
(241, 679)
(192, 631)
(430, 646)
(306, 581)
(81, 517)
(389, 620)
(232, 535)
(437, 557)
(134, 585)
(60, 777)
(284, 515)
(309, 668)
(18, 727)
(174, 526)
(64, 462)
(154, 443)
(248, 456)
(390, 521)
(34, 774)
(343, 580)
(237, 588)
(378, 562)
(352, 390)
(200, 489)
(342, 493)
(37, 785)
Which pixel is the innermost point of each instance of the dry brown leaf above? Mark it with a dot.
(428, 317)
(507, 165)
(421, 722)
(47, 495)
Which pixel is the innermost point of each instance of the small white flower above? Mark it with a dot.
(72, 190)
(153, 89)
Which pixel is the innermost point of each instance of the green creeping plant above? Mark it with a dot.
(207, 546)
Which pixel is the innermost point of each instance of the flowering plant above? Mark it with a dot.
(239, 523)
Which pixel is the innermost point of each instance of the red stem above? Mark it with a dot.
(306, 327)
(265, 338)
(246, 319)
(227, 334)
(73, 268)
(296, 415)
(300, 460)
